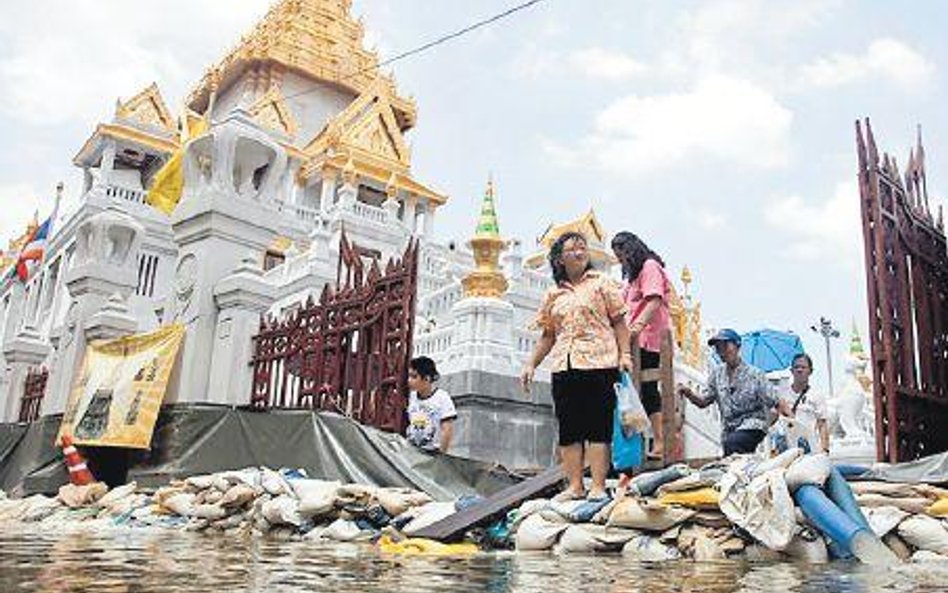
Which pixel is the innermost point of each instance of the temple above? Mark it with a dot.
(304, 164)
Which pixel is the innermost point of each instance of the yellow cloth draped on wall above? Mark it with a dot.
(117, 394)
(168, 183)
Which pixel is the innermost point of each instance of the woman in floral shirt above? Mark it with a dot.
(585, 334)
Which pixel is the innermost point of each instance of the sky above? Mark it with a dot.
(720, 131)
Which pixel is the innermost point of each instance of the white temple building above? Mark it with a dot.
(307, 141)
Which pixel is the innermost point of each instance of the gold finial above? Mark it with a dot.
(685, 276)
(487, 279)
(349, 173)
(391, 186)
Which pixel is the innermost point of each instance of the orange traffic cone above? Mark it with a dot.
(79, 474)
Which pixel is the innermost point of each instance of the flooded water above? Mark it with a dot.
(146, 561)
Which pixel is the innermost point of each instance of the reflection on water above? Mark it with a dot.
(146, 561)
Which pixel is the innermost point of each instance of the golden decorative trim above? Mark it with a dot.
(147, 107)
(121, 132)
(272, 112)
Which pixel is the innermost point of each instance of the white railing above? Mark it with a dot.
(433, 343)
(373, 213)
(302, 213)
(123, 193)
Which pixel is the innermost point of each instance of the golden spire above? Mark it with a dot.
(486, 279)
(316, 38)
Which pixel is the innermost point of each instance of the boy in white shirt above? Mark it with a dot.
(431, 412)
(807, 409)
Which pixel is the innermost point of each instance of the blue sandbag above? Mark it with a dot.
(827, 517)
(842, 495)
(647, 484)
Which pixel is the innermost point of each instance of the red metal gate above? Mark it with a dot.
(907, 279)
(34, 388)
(348, 352)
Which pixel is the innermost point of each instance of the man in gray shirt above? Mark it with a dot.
(742, 393)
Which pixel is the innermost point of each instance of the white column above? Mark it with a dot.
(24, 352)
(328, 192)
(429, 220)
(108, 162)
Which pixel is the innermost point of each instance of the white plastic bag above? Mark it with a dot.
(632, 416)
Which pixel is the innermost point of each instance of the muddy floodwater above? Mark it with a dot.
(152, 560)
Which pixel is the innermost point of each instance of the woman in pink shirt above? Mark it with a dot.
(646, 297)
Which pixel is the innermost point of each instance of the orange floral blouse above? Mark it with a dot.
(580, 317)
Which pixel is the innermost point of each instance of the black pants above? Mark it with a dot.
(742, 441)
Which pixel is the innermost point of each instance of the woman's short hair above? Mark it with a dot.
(556, 254)
(425, 367)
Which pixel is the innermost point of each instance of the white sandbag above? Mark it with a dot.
(237, 496)
(428, 514)
(341, 530)
(809, 469)
(925, 533)
(633, 513)
(924, 556)
(396, 501)
(273, 483)
(282, 510)
(181, 503)
(525, 510)
(807, 549)
(782, 462)
(648, 548)
(79, 496)
(561, 510)
(913, 505)
(317, 497)
(762, 507)
(882, 520)
(117, 494)
(536, 533)
(587, 537)
(210, 512)
(38, 507)
(214, 496)
(200, 482)
(760, 553)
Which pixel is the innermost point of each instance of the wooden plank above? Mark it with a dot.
(456, 525)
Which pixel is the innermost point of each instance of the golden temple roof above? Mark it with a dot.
(318, 39)
(588, 226)
(148, 108)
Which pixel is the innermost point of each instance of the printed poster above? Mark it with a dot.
(117, 394)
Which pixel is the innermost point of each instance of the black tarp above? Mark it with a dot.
(193, 439)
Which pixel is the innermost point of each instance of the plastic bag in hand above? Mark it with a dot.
(629, 408)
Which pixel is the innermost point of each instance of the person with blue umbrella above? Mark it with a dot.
(770, 350)
(743, 394)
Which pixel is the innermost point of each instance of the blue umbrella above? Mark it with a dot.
(770, 350)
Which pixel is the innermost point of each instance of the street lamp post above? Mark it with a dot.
(827, 330)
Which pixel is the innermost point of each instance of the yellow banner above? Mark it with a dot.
(118, 392)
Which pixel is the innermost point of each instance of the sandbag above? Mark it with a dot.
(425, 547)
(699, 479)
(925, 533)
(648, 548)
(341, 530)
(210, 512)
(517, 516)
(702, 498)
(200, 482)
(914, 505)
(396, 501)
(237, 496)
(181, 503)
(273, 483)
(586, 537)
(925, 556)
(117, 494)
(939, 508)
(282, 510)
(762, 507)
(807, 547)
(78, 496)
(536, 533)
(890, 489)
(575, 511)
(428, 514)
(647, 483)
(808, 469)
(317, 497)
(758, 468)
(882, 520)
(634, 514)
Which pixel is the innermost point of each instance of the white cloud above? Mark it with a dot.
(19, 202)
(705, 218)
(596, 62)
(533, 62)
(828, 230)
(885, 58)
(64, 61)
(723, 117)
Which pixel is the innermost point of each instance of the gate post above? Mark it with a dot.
(23, 352)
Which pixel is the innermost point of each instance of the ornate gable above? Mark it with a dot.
(272, 112)
(369, 125)
(148, 108)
